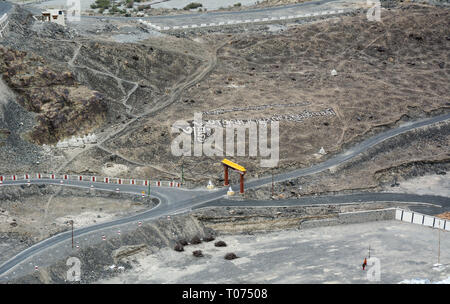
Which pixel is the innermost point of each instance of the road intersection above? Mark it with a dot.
(176, 201)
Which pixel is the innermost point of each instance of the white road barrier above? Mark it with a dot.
(95, 179)
(421, 219)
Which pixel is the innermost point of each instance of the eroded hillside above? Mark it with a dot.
(386, 73)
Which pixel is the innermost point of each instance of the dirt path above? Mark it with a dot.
(119, 80)
(47, 206)
(163, 103)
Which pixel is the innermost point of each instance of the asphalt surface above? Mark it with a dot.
(350, 153)
(430, 204)
(323, 255)
(4, 7)
(249, 15)
(225, 16)
(171, 201)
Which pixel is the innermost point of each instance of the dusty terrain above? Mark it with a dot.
(146, 254)
(31, 213)
(321, 255)
(386, 73)
(64, 107)
(105, 259)
(386, 167)
(126, 81)
(427, 184)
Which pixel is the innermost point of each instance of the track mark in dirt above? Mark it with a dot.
(164, 102)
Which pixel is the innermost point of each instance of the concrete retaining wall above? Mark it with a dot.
(240, 21)
(353, 218)
(421, 219)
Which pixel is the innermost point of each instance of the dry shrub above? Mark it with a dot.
(196, 240)
(197, 253)
(178, 247)
(230, 256)
(220, 244)
(208, 238)
(183, 242)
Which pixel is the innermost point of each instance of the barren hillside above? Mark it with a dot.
(387, 72)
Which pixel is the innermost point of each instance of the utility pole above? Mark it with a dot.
(369, 251)
(182, 173)
(149, 182)
(71, 222)
(272, 186)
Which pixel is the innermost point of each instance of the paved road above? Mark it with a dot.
(176, 205)
(429, 204)
(4, 7)
(225, 16)
(252, 14)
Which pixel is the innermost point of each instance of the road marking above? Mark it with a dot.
(363, 147)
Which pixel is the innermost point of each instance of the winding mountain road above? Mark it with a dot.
(314, 8)
(4, 7)
(174, 201)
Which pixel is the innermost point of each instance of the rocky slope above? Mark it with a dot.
(64, 107)
(117, 254)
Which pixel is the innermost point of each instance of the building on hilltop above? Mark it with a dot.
(55, 16)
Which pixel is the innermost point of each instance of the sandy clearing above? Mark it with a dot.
(322, 255)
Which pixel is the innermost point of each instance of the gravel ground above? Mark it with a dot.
(322, 255)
